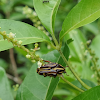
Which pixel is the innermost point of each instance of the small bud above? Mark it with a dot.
(39, 27)
(35, 20)
(19, 46)
(35, 25)
(46, 33)
(39, 64)
(11, 35)
(0, 27)
(32, 49)
(4, 33)
(37, 55)
(70, 56)
(20, 42)
(36, 45)
(29, 10)
(49, 47)
(33, 61)
(14, 45)
(42, 28)
(50, 38)
(34, 13)
(17, 85)
(85, 53)
(38, 22)
(15, 41)
(28, 56)
(88, 42)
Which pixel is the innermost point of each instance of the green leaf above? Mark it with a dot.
(86, 11)
(47, 12)
(5, 92)
(76, 51)
(24, 32)
(92, 94)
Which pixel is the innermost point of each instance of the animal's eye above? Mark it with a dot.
(51, 69)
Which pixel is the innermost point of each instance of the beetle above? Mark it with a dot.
(51, 69)
(47, 72)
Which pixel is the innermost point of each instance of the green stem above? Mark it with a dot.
(65, 60)
(71, 84)
(54, 38)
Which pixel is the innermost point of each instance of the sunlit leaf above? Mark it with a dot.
(86, 11)
(24, 32)
(47, 12)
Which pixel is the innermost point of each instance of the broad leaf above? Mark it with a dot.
(5, 92)
(86, 11)
(24, 32)
(92, 94)
(47, 12)
(37, 87)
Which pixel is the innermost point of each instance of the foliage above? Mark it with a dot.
(72, 49)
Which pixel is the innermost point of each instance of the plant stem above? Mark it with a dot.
(71, 69)
(71, 84)
(54, 38)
